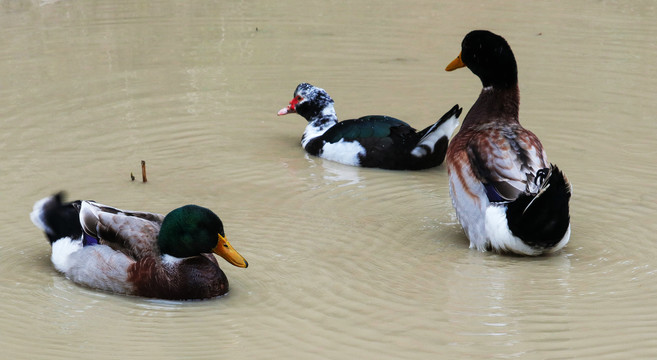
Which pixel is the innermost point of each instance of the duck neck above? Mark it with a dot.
(318, 124)
(495, 104)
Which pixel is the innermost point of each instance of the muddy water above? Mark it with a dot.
(345, 262)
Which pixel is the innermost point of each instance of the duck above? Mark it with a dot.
(375, 141)
(137, 253)
(507, 196)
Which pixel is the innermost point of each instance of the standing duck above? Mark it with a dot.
(370, 141)
(507, 196)
(137, 253)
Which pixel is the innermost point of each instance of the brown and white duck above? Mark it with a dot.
(507, 196)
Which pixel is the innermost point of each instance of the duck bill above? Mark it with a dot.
(455, 64)
(290, 108)
(226, 251)
(286, 110)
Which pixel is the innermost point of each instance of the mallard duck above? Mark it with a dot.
(370, 141)
(507, 196)
(137, 253)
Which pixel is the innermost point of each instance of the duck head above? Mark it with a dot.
(310, 102)
(489, 57)
(193, 230)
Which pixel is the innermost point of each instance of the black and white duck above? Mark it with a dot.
(370, 141)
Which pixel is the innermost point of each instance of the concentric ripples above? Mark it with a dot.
(343, 262)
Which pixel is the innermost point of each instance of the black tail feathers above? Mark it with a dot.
(454, 111)
(56, 218)
(541, 220)
(432, 142)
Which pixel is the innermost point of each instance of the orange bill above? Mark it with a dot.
(226, 251)
(455, 64)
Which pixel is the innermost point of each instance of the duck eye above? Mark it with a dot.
(298, 98)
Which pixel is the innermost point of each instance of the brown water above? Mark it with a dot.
(345, 262)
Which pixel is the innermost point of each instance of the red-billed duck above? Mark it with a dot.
(370, 141)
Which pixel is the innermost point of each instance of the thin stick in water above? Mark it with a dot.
(143, 171)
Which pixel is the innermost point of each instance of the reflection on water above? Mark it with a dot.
(540, 289)
(340, 174)
(344, 262)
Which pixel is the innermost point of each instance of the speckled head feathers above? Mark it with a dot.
(312, 101)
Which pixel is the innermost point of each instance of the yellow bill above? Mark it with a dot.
(226, 251)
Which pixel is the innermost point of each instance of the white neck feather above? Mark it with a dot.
(319, 125)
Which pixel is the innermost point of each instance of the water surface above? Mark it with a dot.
(344, 262)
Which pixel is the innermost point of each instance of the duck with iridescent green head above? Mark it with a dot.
(137, 253)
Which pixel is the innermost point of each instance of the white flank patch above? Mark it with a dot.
(61, 251)
(96, 266)
(469, 210)
(499, 235)
(433, 135)
(344, 152)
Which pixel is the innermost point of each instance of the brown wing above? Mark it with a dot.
(134, 233)
(506, 160)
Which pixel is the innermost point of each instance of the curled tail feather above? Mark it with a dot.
(56, 218)
(542, 220)
(443, 128)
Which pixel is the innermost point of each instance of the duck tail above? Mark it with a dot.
(542, 219)
(434, 139)
(56, 218)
